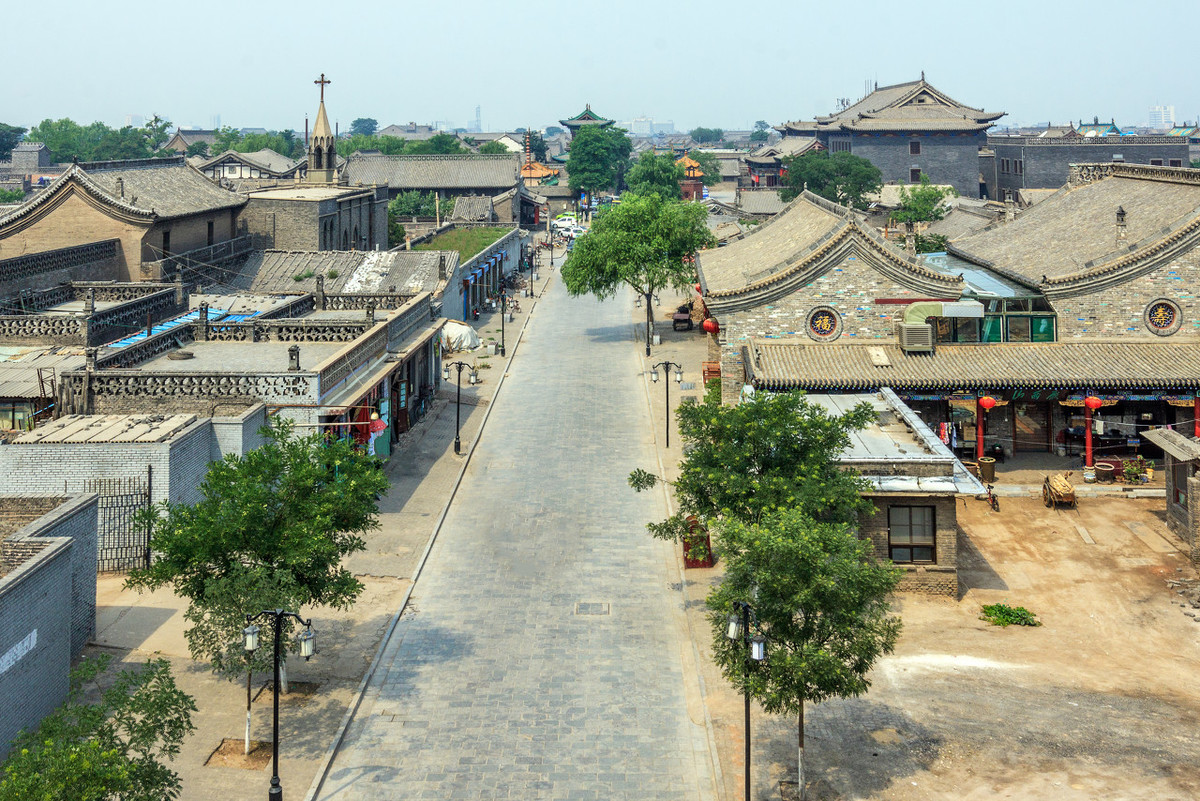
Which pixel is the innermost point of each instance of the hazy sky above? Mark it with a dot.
(718, 64)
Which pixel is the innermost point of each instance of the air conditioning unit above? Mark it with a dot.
(916, 337)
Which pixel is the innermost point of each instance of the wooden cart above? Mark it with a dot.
(1057, 490)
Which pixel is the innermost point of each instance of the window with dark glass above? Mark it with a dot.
(914, 176)
(1179, 475)
(993, 329)
(914, 148)
(911, 535)
(1041, 329)
(1176, 163)
(1018, 329)
(1156, 162)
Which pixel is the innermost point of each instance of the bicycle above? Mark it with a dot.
(992, 500)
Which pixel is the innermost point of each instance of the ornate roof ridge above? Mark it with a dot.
(74, 173)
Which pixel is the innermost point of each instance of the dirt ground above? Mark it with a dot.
(1099, 702)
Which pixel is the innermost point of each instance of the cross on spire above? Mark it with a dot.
(321, 81)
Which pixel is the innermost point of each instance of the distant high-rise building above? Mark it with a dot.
(135, 120)
(1162, 117)
(667, 127)
(216, 121)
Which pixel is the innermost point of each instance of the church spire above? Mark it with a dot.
(322, 154)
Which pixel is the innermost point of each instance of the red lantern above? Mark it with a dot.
(698, 289)
(711, 326)
(1092, 402)
(987, 402)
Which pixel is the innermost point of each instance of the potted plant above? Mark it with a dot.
(1133, 471)
(1149, 475)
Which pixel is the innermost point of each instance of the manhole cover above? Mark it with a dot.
(686, 385)
(591, 608)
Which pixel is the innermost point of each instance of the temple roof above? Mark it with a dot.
(586, 117)
(912, 106)
(474, 171)
(1074, 231)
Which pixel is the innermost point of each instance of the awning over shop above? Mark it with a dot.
(785, 364)
(1171, 441)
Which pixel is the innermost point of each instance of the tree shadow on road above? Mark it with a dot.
(611, 333)
(854, 748)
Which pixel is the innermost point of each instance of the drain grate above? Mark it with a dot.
(591, 608)
(686, 385)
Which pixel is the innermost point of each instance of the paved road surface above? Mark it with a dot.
(543, 654)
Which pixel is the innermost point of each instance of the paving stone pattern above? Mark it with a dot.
(541, 657)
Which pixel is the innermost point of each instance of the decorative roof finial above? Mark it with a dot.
(922, 75)
(322, 82)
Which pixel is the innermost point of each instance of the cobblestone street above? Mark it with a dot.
(543, 653)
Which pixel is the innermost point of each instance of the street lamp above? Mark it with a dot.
(637, 301)
(307, 640)
(473, 378)
(756, 650)
(666, 366)
(503, 314)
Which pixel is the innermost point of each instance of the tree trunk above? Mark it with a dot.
(249, 674)
(800, 757)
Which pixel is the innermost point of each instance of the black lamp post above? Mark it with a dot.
(503, 314)
(277, 617)
(666, 366)
(756, 650)
(648, 295)
(473, 378)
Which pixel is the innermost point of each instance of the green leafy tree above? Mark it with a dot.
(761, 131)
(11, 195)
(762, 125)
(226, 138)
(124, 143)
(1196, 165)
(751, 460)
(841, 177)
(156, 132)
(703, 136)
(646, 243)
(67, 140)
(197, 149)
(758, 137)
(652, 174)
(493, 148)
(931, 243)
(553, 130)
(537, 146)
(396, 232)
(364, 126)
(923, 202)
(269, 532)
(440, 144)
(710, 165)
(820, 599)
(598, 159)
(414, 203)
(113, 749)
(10, 135)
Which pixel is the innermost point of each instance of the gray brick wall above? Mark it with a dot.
(188, 460)
(1046, 165)
(1119, 311)
(937, 579)
(237, 435)
(47, 611)
(947, 159)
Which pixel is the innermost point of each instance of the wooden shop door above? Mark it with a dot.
(1031, 428)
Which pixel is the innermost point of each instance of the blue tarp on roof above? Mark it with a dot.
(166, 325)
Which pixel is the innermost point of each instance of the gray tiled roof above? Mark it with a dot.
(498, 172)
(760, 201)
(265, 159)
(472, 208)
(961, 222)
(836, 366)
(167, 191)
(1077, 225)
(914, 106)
(357, 271)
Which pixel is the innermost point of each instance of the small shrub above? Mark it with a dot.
(1005, 615)
(332, 274)
(304, 275)
(482, 364)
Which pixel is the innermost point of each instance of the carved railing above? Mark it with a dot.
(337, 368)
(301, 305)
(34, 329)
(124, 319)
(418, 313)
(112, 291)
(1080, 174)
(148, 348)
(353, 302)
(133, 389)
(61, 259)
(284, 331)
(33, 301)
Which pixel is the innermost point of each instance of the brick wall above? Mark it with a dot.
(47, 609)
(238, 435)
(947, 159)
(1118, 311)
(1046, 164)
(75, 221)
(937, 579)
(282, 224)
(188, 460)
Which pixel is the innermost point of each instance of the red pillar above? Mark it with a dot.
(1087, 424)
(978, 431)
(1196, 415)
